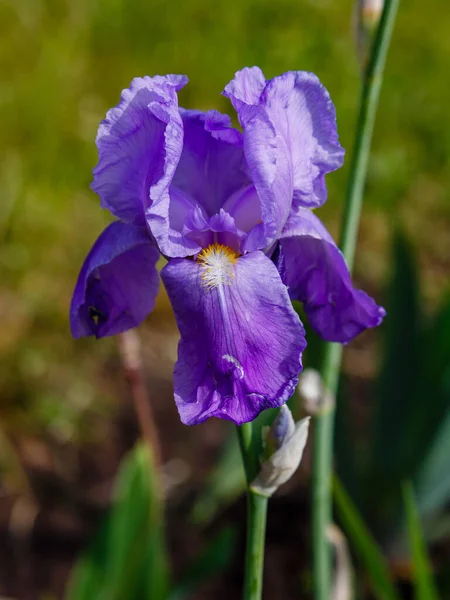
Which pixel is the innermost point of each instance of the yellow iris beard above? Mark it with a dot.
(217, 262)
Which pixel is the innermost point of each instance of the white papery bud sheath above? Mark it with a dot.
(316, 398)
(370, 11)
(366, 18)
(282, 464)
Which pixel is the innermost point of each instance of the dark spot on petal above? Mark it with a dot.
(97, 316)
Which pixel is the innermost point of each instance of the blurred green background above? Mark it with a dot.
(63, 63)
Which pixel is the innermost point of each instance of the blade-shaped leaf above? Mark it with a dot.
(227, 480)
(313, 357)
(225, 483)
(410, 430)
(395, 454)
(423, 580)
(433, 480)
(363, 544)
(87, 576)
(349, 455)
(397, 387)
(214, 559)
(127, 558)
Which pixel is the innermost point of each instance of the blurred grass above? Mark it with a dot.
(64, 63)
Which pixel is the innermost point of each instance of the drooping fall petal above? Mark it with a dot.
(241, 341)
(118, 283)
(316, 273)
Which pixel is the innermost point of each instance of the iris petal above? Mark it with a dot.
(316, 273)
(302, 112)
(211, 165)
(118, 283)
(290, 140)
(246, 87)
(241, 341)
(210, 168)
(139, 145)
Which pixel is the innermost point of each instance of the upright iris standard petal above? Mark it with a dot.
(139, 145)
(290, 139)
(211, 168)
(246, 88)
(241, 341)
(302, 112)
(266, 153)
(118, 283)
(316, 273)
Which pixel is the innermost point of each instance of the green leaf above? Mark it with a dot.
(214, 559)
(349, 452)
(313, 357)
(438, 345)
(433, 480)
(227, 480)
(413, 395)
(127, 558)
(392, 454)
(411, 423)
(364, 546)
(397, 386)
(423, 580)
(414, 383)
(225, 483)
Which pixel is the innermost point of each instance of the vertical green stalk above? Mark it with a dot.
(254, 553)
(256, 515)
(321, 481)
(324, 426)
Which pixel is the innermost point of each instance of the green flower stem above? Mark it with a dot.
(324, 426)
(254, 555)
(321, 480)
(256, 515)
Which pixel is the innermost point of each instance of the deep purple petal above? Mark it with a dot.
(277, 258)
(211, 165)
(139, 144)
(245, 208)
(290, 140)
(241, 341)
(118, 283)
(225, 229)
(219, 125)
(219, 228)
(209, 170)
(316, 274)
(185, 216)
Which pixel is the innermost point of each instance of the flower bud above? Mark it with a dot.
(316, 398)
(367, 17)
(287, 441)
(282, 428)
(370, 12)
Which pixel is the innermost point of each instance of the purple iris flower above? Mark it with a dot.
(232, 212)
